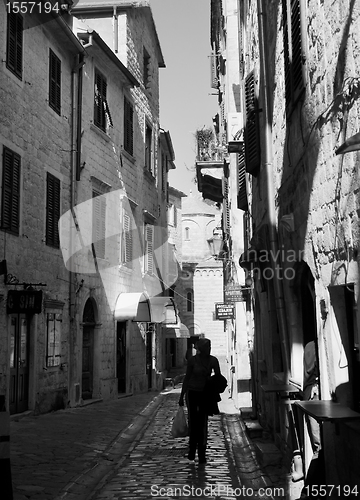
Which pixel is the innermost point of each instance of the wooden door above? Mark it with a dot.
(19, 363)
(121, 355)
(87, 361)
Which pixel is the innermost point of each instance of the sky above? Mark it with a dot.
(186, 103)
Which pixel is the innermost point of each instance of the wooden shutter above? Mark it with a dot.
(100, 101)
(127, 241)
(55, 82)
(52, 210)
(99, 217)
(293, 51)
(14, 44)
(226, 206)
(242, 202)
(149, 248)
(252, 134)
(128, 126)
(10, 207)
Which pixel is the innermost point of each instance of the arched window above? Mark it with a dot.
(189, 301)
(187, 233)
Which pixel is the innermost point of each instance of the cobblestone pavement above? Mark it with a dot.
(123, 449)
(63, 454)
(157, 467)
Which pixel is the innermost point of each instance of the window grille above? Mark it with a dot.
(53, 335)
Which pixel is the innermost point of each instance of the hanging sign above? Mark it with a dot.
(224, 311)
(24, 301)
(234, 293)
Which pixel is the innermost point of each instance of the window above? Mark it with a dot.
(14, 42)
(102, 115)
(187, 233)
(252, 133)
(54, 82)
(128, 126)
(99, 217)
(163, 172)
(126, 240)
(189, 301)
(52, 210)
(10, 204)
(173, 215)
(293, 51)
(149, 249)
(146, 67)
(53, 336)
(148, 147)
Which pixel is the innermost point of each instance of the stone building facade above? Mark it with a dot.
(83, 211)
(299, 98)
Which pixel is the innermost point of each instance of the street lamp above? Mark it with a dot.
(216, 242)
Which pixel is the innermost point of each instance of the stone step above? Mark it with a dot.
(267, 453)
(253, 428)
(246, 412)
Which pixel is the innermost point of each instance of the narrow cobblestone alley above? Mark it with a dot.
(157, 465)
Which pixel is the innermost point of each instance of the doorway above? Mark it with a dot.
(149, 338)
(121, 355)
(88, 350)
(19, 363)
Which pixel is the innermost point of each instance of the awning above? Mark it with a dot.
(180, 331)
(137, 306)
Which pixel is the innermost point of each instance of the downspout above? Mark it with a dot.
(116, 31)
(76, 112)
(270, 198)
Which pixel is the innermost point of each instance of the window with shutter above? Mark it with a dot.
(54, 82)
(128, 126)
(99, 229)
(10, 205)
(251, 134)
(52, 210)
(241, 188)
(146, 68)
(126, 241)
(294, 56)
(149, 249)
(100, 103)
(226, 206)
(14, 57)
(148, 148)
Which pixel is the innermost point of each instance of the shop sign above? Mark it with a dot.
(224, 311)
(24, 301)
(234, 293)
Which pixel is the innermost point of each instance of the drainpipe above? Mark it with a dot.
(270, 198)
(76, 98)
(116, 31)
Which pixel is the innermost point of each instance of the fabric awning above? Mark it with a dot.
(179, 331)
(138, 306)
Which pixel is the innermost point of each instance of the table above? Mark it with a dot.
(327, 411)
